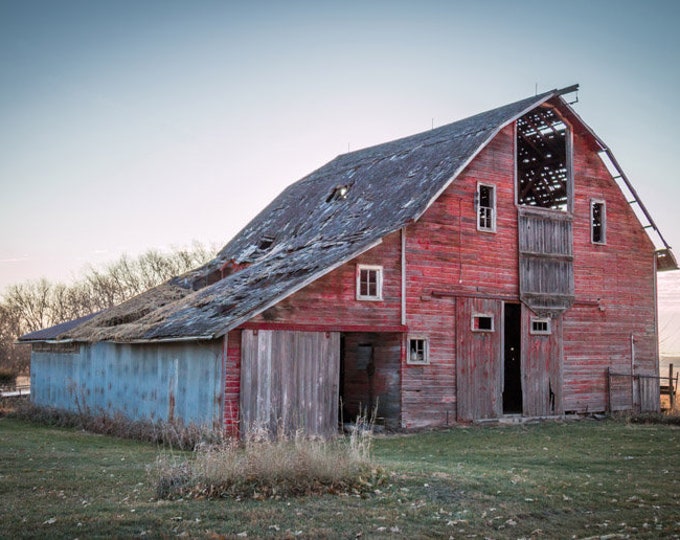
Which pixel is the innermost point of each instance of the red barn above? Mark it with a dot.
(490, 267)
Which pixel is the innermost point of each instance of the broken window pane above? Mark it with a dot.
(417, 351)
(598, 216)
(482, 323)
(542, 160)
(486, 207)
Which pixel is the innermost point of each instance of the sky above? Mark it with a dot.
(129, 125)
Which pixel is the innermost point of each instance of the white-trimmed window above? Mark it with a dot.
(482, 322)
(418, 350)
(540, 326)
(369, 282)
(598, 222)
(486, 207)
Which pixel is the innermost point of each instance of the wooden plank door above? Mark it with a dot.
(478, 360)
(290, 381)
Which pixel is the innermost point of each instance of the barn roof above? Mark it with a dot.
(54, 332)
(315, 225)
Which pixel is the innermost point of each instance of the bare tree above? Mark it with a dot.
(33, 305)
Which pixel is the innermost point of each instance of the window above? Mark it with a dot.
(486, 207)
(598, 222)
(418, 351)
(369, 282)
(542, 160)
(540, 326)
(482, 323)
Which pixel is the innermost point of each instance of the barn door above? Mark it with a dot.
(478, 361)
(290, 381)
(542, 365)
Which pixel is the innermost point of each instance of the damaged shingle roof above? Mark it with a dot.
(316, 224)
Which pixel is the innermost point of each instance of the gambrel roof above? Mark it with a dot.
(315, 225)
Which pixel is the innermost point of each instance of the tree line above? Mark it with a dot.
(34, 305)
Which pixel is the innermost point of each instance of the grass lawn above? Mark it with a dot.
(581, 479)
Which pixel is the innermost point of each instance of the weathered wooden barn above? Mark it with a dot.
(500, 265)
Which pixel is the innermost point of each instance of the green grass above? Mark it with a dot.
(554, 480)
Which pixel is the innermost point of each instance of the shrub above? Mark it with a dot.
(263, 468)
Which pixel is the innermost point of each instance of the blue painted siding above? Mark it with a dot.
(180, 381)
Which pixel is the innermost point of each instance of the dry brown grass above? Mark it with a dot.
(174, 435)
(261, 468)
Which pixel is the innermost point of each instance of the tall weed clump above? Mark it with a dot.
(260, 467)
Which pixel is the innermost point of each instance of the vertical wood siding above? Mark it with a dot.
(479, 362)
(289, 381)
(541, 369)
(546, 275)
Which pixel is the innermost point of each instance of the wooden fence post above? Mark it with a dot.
(671, 386)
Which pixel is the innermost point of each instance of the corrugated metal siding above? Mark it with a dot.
(181, 382)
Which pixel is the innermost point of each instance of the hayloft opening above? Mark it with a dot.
(542, 160)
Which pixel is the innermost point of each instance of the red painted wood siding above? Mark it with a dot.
(615, 291)
(445, 254)
(232, 385)
(331, 300)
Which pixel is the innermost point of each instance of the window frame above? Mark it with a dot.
(426, 351)
(478, 316)
(492, 208)
(603, 221)
(379, 282)
(534, 332)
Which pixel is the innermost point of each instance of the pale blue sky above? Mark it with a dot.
(127, 125)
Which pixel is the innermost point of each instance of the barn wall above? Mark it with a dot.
(615, 293)
(143, 382)
(232, 382)
(450, 265)
(331, 300)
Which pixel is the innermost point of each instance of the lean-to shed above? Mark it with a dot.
(494, 266)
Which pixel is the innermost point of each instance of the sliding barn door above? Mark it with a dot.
(478, 363)
(290, 381)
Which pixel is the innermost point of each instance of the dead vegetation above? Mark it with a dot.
(262, 468)
(174, 435)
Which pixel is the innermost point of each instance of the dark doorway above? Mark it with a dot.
(370, 378)
(512, 371)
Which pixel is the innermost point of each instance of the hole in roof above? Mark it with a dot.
(266, 242)
(338, 193)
